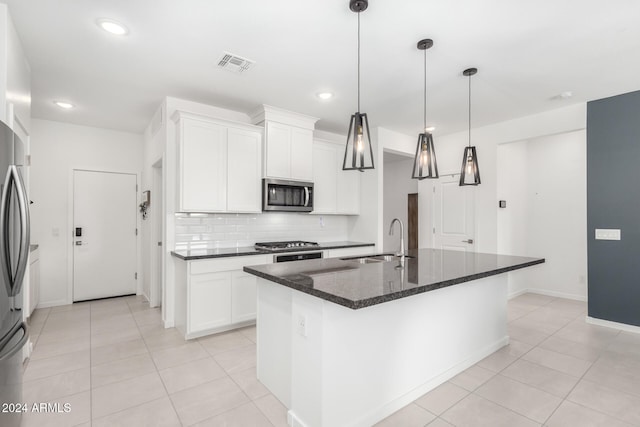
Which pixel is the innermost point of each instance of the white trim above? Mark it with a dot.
(549, 294)
(266, 113)
(55, 303)
(614, 325)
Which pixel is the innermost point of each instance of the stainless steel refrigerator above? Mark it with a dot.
(14, 251)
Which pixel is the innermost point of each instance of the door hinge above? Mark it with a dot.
(434, 230)
(136, 187)
(136, 276)
(434, 190)
(136, 231)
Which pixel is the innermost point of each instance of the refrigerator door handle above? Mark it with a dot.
(25, 231)
(14, 282)
(16, 348)
(5, 262)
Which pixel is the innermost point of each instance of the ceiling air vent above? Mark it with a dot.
(234, 63)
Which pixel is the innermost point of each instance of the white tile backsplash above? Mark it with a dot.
(202, 231)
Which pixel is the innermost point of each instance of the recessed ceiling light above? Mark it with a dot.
(566, 95)
(324, 95)
(112, 27)
(63, 104)
(430, 128)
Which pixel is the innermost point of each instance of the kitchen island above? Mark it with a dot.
(347, 342)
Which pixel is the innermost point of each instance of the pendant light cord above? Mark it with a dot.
(358, 62)
(425, 90)
(469, 110)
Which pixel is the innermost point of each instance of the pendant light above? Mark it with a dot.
(358, 153)
(470, 173)
(424, 163)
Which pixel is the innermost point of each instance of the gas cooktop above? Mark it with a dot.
(275, 246)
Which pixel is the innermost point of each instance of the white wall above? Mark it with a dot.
(449, 149)
(513, 170)
(56, 149)
(18, 91)
(544, 183)
(397, 185)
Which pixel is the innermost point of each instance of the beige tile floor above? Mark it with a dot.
(115, 364)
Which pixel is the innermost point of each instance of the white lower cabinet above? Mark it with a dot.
(215, 295)
(209, 301)
(243, 298)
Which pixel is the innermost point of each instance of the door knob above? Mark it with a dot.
(469, 241)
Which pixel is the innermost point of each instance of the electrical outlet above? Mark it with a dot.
(607, 234)
(302, 325)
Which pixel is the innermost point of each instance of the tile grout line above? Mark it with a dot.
(156, 366)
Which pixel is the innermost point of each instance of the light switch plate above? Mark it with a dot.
(607, 234)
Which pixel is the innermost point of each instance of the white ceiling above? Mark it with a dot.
(527, 52)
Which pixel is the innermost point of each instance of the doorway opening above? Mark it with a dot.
(156, 246)
(398, 186)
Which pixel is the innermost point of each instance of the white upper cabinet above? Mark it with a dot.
(335, 191)
(301, 154)
(288, 145)
(203, 166)
(219, 165)
(278, 150)
(244, 170)
(325, 178)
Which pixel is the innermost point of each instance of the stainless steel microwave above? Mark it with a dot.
(282, 195)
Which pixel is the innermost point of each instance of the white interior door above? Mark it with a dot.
(104, 251)
(454, 206)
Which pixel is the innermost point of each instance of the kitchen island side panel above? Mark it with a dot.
(355, 367)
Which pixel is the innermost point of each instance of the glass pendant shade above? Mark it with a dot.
(358, 154)
(470, 172)
(424, 163)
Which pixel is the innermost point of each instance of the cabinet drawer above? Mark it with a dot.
(226, 264)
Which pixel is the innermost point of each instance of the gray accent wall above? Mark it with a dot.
(613, 201)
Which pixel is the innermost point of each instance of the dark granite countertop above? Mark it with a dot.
(355, 285)
(192, 254)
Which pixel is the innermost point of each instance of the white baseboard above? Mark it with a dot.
(614, 325)
(518, 293)
(55, 303)
(549, 294)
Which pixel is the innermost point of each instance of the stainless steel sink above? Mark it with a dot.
(365, 260)
(375, 258)
(389, 257)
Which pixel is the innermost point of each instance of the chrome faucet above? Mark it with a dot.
(401, 253)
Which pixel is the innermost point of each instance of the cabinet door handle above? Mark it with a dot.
(469, 241)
